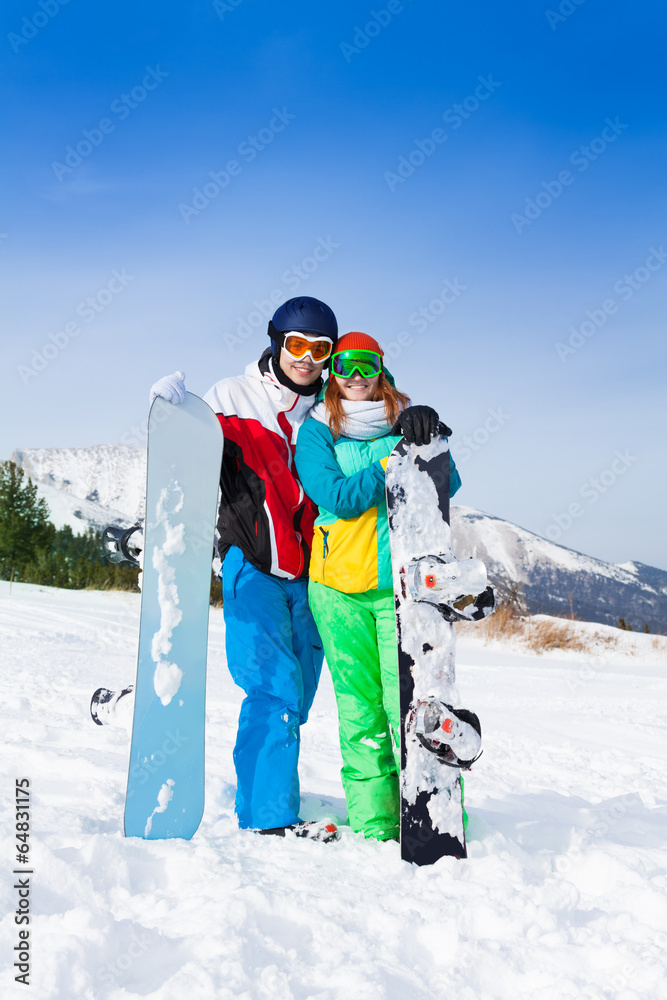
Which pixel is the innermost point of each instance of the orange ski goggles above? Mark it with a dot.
(297, 345)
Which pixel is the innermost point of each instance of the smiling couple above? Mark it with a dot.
(303, 495)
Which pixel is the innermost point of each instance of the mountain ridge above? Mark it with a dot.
(104, 484)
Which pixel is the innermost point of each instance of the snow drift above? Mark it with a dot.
(563, 895)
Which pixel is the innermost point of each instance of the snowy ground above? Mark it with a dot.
(564, 894)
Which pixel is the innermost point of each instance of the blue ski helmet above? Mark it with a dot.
(304, 315)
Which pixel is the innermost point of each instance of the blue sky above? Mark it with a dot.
(531, 139)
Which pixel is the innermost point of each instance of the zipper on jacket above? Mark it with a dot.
(325, 548)
(302, 560)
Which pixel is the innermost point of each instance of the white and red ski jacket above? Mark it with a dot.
(263, 508)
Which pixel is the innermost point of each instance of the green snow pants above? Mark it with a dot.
(359, 636)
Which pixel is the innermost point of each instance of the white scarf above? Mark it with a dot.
(366, 419)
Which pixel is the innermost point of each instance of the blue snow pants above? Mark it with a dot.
(274, 653)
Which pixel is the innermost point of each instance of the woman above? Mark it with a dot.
(341, 455)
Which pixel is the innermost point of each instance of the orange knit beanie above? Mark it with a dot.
(357, 342)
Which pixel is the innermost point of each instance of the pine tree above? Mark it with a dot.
(24, 520)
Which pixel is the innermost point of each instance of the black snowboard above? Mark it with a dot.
(417, 481)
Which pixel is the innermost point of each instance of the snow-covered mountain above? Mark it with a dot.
(556, 579)
(105, 485)
(88, 486)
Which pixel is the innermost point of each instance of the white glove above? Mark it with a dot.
(171, 388)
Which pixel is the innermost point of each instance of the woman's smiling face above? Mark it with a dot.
(357, 386)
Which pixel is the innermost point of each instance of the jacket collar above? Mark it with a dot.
(268, 368)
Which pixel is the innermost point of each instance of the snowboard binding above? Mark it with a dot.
(453, 735)
(458, 589)
(123, 545)
(104, 702)
(324, 831)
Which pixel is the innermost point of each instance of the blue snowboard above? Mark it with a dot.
(165, 788)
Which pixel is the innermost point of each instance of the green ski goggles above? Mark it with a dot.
(346, 363)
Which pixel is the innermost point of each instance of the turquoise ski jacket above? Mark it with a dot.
(345, 478)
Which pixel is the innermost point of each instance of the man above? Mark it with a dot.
(265, 526)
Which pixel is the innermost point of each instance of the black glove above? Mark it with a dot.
(418, 424)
